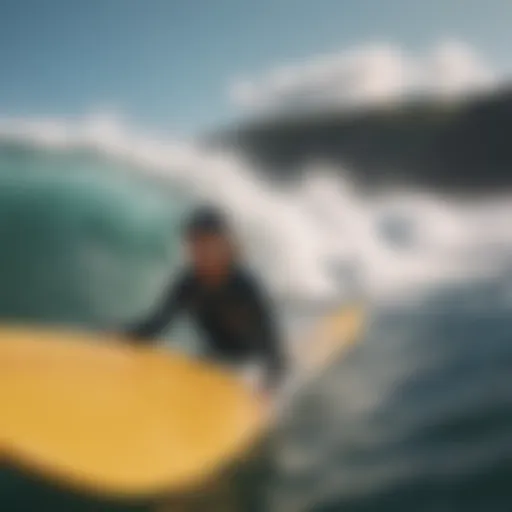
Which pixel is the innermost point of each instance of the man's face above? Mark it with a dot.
(210, 254)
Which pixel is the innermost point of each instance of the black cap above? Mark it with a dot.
(206, 220)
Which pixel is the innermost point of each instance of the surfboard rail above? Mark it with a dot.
(93, 413)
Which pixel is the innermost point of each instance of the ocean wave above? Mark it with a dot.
(304, 238)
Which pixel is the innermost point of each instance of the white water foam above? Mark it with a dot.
(304, 237)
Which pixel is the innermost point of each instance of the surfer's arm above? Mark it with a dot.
(153, 325)
(272, 352)
(264, 332)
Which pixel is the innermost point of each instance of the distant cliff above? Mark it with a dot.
(456, 147)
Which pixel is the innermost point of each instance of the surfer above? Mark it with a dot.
(223, 299)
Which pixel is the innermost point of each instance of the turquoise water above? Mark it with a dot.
(418, 417)
(82, 243)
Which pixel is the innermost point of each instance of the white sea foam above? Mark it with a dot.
(303, 237)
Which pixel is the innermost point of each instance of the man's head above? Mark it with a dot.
(209, 242)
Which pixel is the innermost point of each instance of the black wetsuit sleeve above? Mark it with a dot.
(264, 333)
(153, 325)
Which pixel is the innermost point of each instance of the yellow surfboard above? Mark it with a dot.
(95, 414)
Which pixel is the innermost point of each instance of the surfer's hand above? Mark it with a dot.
(266, 398)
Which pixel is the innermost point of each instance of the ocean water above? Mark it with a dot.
(417, 417)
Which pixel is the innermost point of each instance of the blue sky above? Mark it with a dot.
(169, 63)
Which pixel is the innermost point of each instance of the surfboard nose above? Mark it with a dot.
(92, 413)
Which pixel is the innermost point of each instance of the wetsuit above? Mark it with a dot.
(235, 319)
